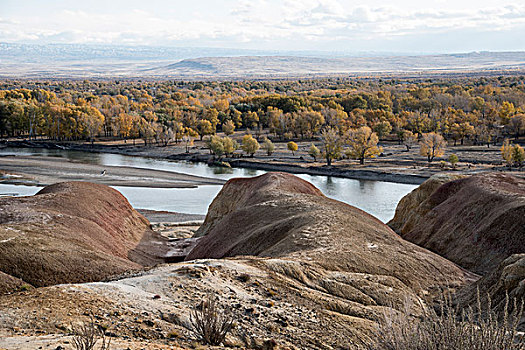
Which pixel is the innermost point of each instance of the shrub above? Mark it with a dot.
(87, 334)
(244, 277)
(292, 146)
(448, 328)
(453, 160)
(209, 322)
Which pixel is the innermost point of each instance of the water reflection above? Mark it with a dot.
(375, 197)
(183, 200)
(16, 190)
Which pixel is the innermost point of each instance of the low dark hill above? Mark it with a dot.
(476, 222)
(70, 232)
(279, 215)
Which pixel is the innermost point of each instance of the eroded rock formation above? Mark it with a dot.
(70, 232)
(476, 222)
(290, 265)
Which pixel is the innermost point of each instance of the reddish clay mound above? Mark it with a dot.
(281, 215)
(477, 222)
(70, 232)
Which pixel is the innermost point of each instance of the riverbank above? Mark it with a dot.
(319, 170)
(395, 165)
(43, 171)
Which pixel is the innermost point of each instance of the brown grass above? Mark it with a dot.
(449, 328)
(87, 334)
(209, 322)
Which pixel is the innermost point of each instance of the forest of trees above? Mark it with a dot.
(347, 115)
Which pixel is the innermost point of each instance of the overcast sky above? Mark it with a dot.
(333, 25)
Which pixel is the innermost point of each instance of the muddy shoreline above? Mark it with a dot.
(44, 170)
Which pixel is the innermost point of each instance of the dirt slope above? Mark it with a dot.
(70, 232)
(281, 215)
(477, 221)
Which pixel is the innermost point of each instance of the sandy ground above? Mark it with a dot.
(156, 216)
(42, 171)
(60, 341)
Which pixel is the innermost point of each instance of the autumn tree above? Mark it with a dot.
(221, 105)
(275, 120)
(216, 146)
(506, 111)
(228, 127)
(292, 146)
(314, 152)
(237, 118)
(146, 131)
(249, 145)
(124, 125)
(187, 138)
(432, 145)
(362, 144)
(383, 128)
(517, 125)
(307, 122)
(178, 131)
(332, 144)
(212, 115)
(408, 139)
(518, 155)
(229, 145)
(250, 119)
(204, 127)
(268, 146)
(506, 152)
(92, 121)
(513, 154)
(461, 130)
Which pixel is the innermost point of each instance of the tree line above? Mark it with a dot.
(346, 114)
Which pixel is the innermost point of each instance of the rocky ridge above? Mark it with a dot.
(476, 222)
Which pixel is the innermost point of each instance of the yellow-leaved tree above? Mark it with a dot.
(332, 144)
(362, 144)
(432, 145)
(506, 152)
(228, 127)
(512, 154)
(249, 145)
(292, 146)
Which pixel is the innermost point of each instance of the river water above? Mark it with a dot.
(375, 197)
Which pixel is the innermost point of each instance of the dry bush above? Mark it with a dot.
(87, 334)
(451, 329)
(209, 322)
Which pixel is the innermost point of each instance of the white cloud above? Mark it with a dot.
(288, 24)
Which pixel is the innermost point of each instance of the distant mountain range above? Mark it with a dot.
(105, 61)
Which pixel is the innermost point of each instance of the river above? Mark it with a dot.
(375, 197)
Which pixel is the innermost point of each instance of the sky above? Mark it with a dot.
(405, 26)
